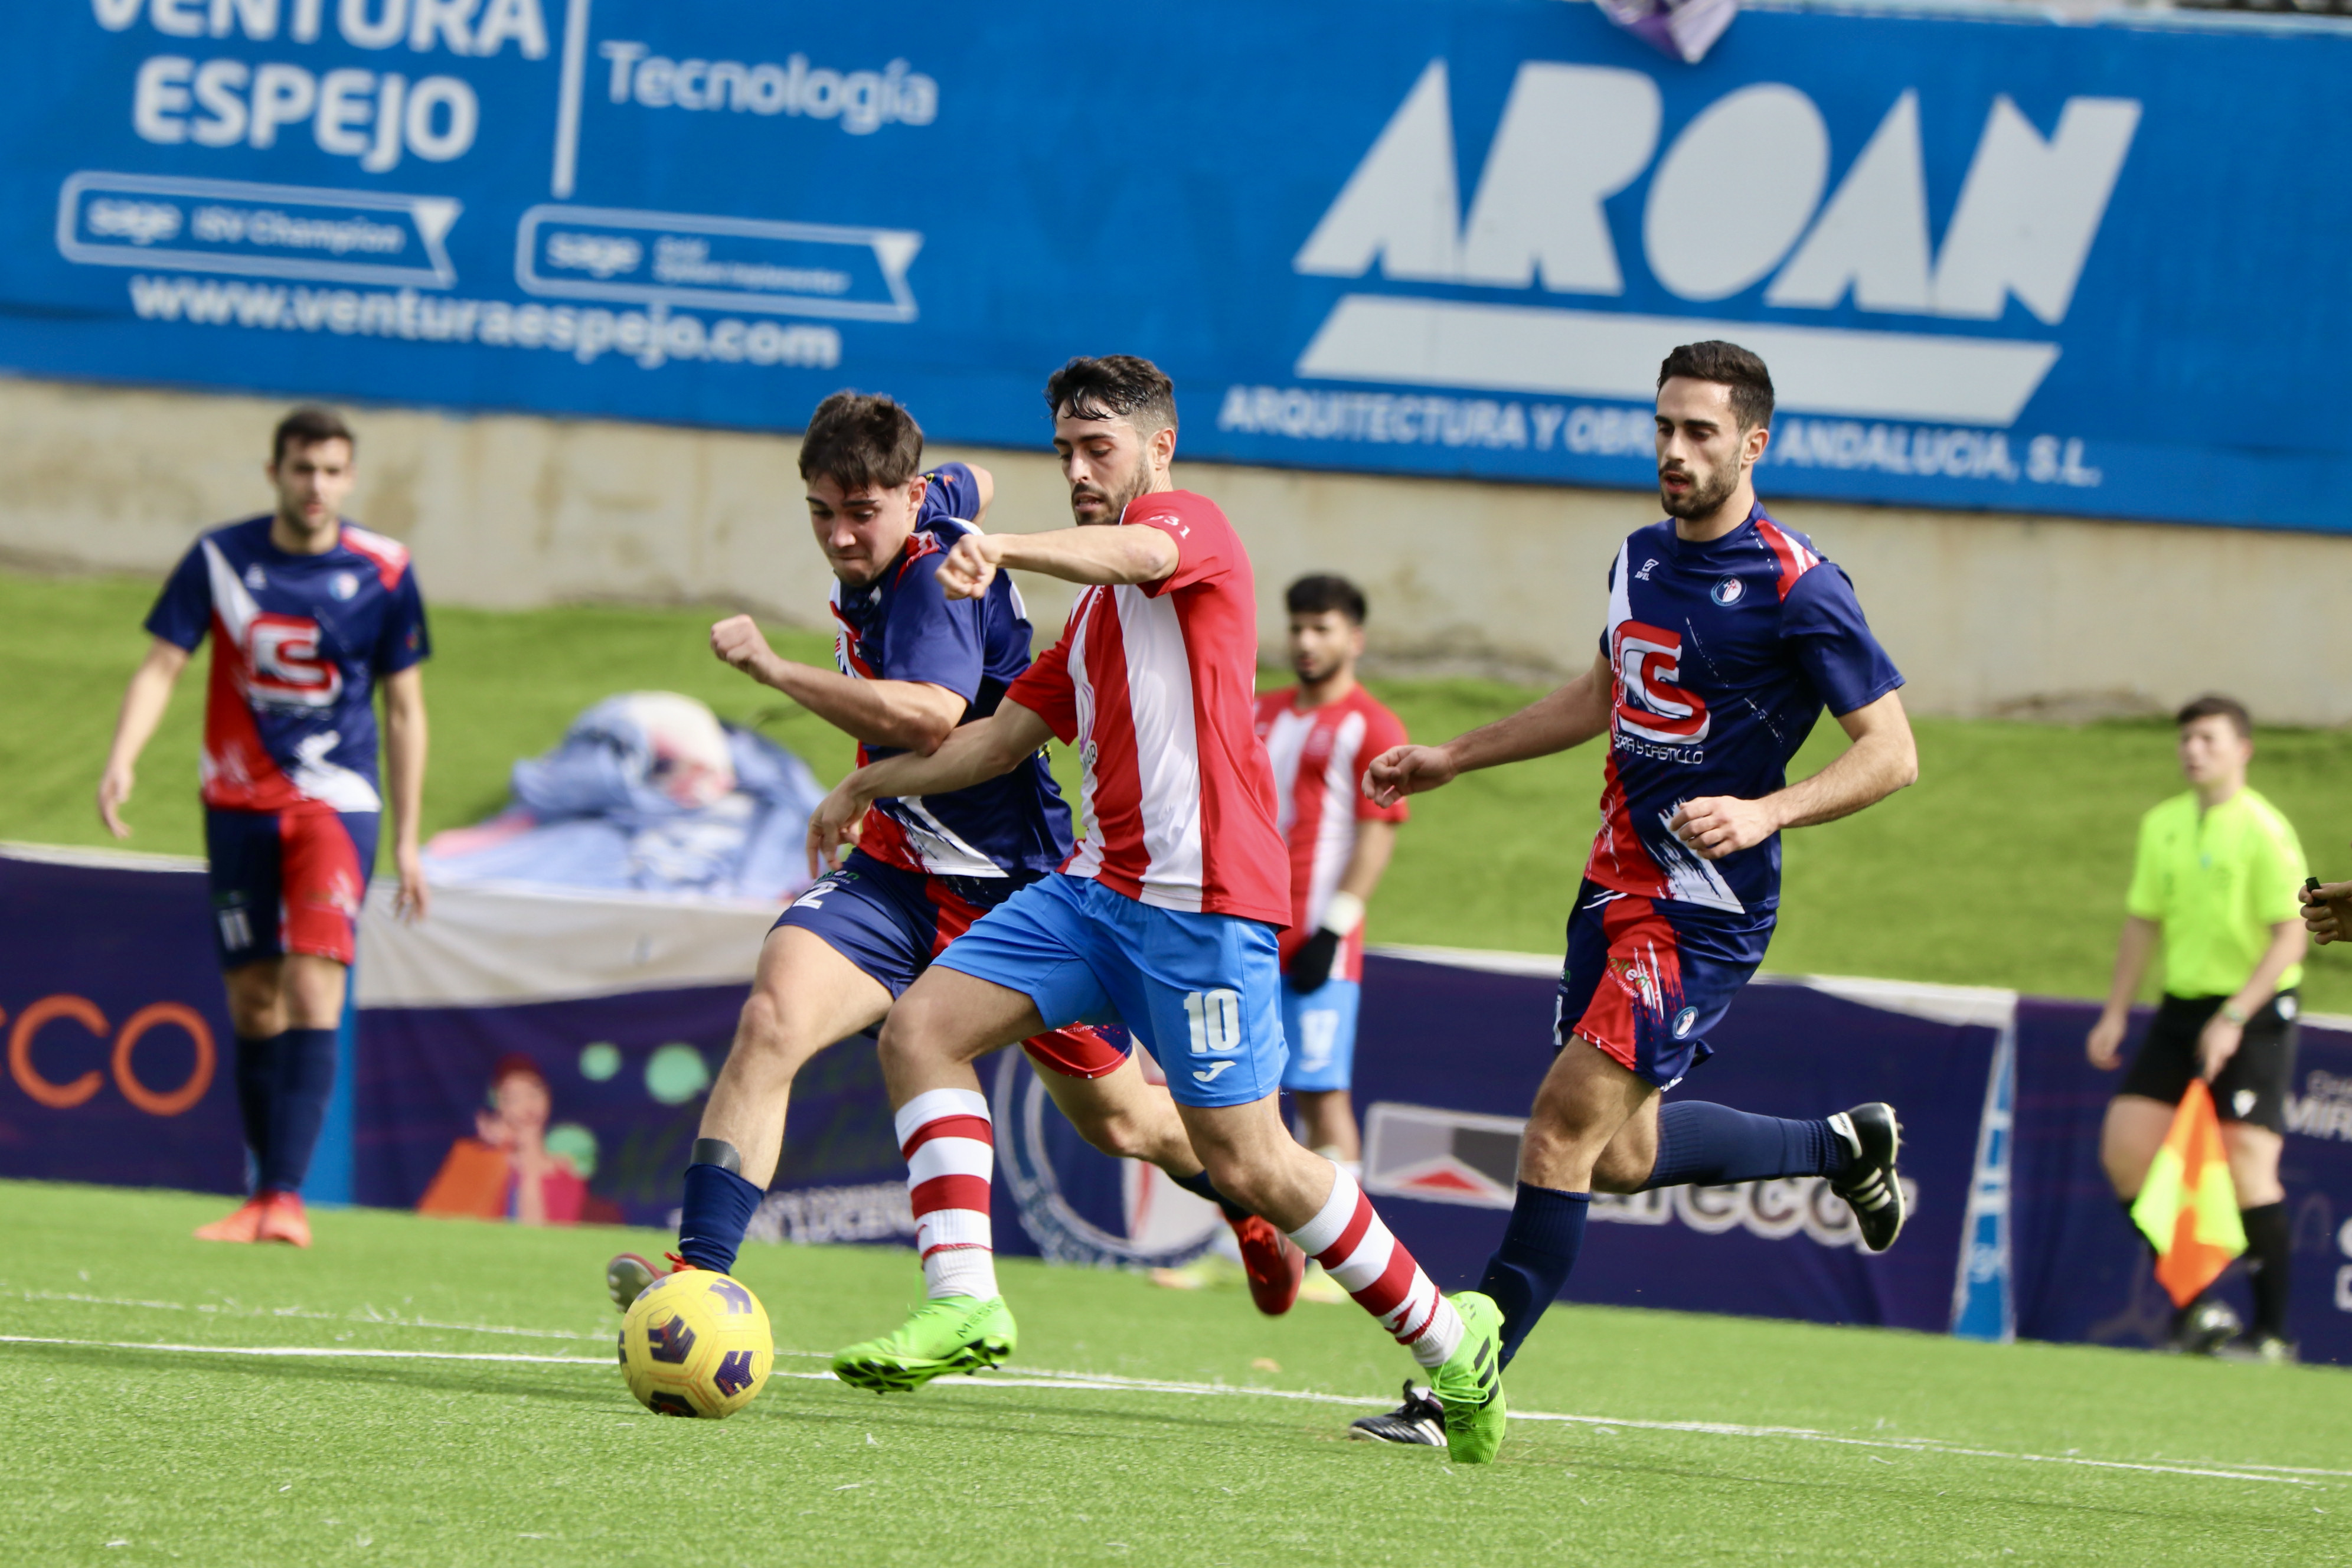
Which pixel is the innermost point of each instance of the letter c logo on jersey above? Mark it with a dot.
(1649, 703)
(287, 669)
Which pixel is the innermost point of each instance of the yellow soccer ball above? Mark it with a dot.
(695, 1343)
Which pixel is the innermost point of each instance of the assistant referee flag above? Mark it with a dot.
(2188, 1206)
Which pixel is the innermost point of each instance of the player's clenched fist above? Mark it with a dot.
(969, 566)
(1401, 770)
(737, 640)
(1720, 825)
(834, 823)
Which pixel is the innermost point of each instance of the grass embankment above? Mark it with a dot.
(2004, 865)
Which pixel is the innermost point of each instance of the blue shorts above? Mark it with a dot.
(1647, 978)
(288, 881)
(1321, 1028)
(891, 923)
(1200, 990)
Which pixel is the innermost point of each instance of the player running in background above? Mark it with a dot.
(1322, 736)
(914, 664)
(1166, 917)
(309, 614)
(1726, 636)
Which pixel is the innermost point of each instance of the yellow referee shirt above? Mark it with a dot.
(2217, 881)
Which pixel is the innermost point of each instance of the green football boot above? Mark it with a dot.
(1470, 1383)
(954, 1333)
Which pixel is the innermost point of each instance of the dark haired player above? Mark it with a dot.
(1322, 735)
(1726, 636)
(915, 663)
(308, 613)
(1166, 917)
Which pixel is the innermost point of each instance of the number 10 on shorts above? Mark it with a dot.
(1216, 1020)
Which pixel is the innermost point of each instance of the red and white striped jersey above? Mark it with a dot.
(1154, 684)
(1319, 755)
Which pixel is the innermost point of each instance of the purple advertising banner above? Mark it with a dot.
(120, 1061)
(2083, 1272)
(1448, 1061)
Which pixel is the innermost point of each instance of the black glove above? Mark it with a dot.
(1310, 966)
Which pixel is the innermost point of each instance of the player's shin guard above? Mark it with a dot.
(1538, 1255)
(1348, 1239)
(1713, 1145)
(257, 1090)
(951, 1150)
(304, 1077)
(718, 1210)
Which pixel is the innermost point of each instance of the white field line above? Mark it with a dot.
(369, 1316)
(1107, 1384)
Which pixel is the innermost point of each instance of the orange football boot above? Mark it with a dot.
(282, 1219)
(245, 1224)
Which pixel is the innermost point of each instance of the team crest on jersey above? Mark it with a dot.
(1727, 592)
(1649, 703)
(288, 671)
(1684, 1021)
(256, 578)
(343, 584)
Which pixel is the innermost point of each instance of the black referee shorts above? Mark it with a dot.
(2253, 1083)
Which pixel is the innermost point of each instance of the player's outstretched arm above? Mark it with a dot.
(404, 763)
(1565, 719)
(907, 715)
(1091, 555)
(144, 701)
(976, 752)
(1882, 760)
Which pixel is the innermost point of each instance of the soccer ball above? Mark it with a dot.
(695, 1343)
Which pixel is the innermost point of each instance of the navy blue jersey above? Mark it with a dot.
(298, 644)
(905, 627)
(1724, 656)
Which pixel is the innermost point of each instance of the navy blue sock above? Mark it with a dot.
(257, 1085)
(305, 1077)
(1200, 1185)
(1713, 1145)
(718, 1209)
(1537, 1254)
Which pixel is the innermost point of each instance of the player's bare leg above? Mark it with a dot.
(1326, 1124)
(285, 1012)
(806, 994)
(1124, 1116)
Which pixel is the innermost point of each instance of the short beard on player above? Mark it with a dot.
(1115, 503)
(1703, 496)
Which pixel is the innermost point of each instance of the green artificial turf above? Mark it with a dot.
(1882, 1447)
(2004, 865)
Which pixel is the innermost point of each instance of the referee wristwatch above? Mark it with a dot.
(2235, 1014)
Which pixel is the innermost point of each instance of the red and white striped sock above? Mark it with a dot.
(1358, 1250)
(951, 1150)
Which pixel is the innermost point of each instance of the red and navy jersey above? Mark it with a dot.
(1319, 757)
(1723, 655)
(298, 644)
(905, 627)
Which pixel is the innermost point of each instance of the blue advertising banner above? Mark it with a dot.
(1992, 262)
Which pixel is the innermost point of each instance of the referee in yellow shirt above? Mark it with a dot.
(2219, 879)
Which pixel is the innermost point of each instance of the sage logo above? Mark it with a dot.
(1779, 235)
